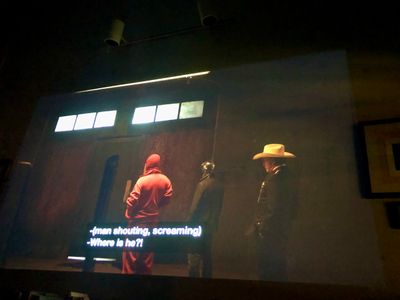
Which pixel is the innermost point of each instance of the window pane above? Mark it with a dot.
(84, 121)
(105, 119)
(193, 109)
(144, 115)
(167, 112)
(65, 123)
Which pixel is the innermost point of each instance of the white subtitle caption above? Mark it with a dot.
(111, 235)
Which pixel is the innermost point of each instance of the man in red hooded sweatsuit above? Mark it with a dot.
(151, 191)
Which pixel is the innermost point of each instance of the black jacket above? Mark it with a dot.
(207, 202)
(276, 203)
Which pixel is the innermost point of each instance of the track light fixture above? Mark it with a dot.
(115, 37)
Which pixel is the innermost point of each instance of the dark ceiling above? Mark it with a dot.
(46, 47)
(88, 21)
(41, 32)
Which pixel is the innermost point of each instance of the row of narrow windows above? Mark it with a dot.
(141, 115)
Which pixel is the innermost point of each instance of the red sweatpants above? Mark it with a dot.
(137, 262)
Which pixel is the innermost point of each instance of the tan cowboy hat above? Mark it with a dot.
(274, 150)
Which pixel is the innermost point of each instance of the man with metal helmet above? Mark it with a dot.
(205, 209)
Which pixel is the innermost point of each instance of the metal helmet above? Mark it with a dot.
(207, 167)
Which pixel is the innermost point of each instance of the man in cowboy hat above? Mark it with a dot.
(274, 213)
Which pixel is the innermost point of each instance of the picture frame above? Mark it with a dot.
(380, 155)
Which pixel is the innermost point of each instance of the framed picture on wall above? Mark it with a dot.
(381, 158)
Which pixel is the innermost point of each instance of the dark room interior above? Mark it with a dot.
(89, 89)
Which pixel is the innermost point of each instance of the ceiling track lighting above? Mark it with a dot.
(208, 18)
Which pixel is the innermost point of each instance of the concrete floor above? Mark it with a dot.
(159, 269)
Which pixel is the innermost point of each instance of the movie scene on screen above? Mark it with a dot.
(214, 174)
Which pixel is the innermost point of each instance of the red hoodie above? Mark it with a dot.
(151, 191)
